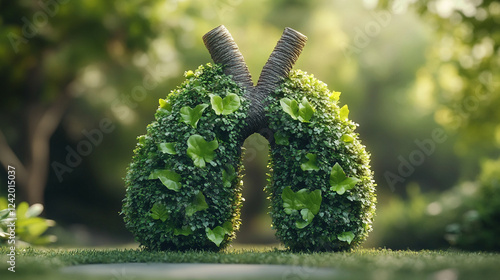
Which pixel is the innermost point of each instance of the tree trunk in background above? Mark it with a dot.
(31, 177)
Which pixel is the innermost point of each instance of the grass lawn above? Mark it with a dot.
(39, 263)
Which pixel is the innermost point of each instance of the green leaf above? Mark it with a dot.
(191, 116)
(201, 151)
(300, 224)
(189, 74)
(339, 182)
(337, 174)
(347, 236)
(347, 138)
(308, 203)
(185, 230)
(335, 96)
(164, 104)
(312, 200)
(228, 175)
(290, 106)
(159, 212)
(198, 204)
(225, 106)
(344, 112)
(307, 215)
(281, 139)
(306, 111)
(169, 178)
(228, 226)
(290, 203)
(345, 185)
(141, 139)
(216, 235)
(168, 148)
(311, 164)
(34, 210)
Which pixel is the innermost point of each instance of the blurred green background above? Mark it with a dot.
(81, 79)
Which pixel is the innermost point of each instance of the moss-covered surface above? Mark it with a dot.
(360, 264)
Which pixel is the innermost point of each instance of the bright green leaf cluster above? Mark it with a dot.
(302, 111)
(198, 204)
(217, 234)
(308, 203)
(201, 151)
(29, 227)
(159, 212)
(191, 116)
(311, 163)
(346, 236)
(340, 182)
(169, 178)
(226, 105)
(168, 148)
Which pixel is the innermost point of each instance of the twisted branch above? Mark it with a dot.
(224, 50)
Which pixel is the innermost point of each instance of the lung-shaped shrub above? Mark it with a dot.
(184, 181)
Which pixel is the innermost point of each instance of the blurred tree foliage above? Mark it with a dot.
(460, 82)
(459, 87)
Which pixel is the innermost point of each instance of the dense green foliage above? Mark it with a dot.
(321, 186)
(183, 185)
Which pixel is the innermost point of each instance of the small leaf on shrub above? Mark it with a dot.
(201, 151)
(168, 148)
(185, 230)
(344, 112)
(347, 138)
(228, 226)
(346, 236)
(311, 164)
(225, 106)
(335, 96)
(198, 204)
(169, 178)
(191, 116)
(165, 105)
(308, 203)
(306, 111)
(159, 212)
(216, 235)
(228, 175)
(339, 182)
(141, 139)
(307, 217)
(281, 139)
(290, 106)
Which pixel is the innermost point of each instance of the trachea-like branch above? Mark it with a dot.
(281, 60)
(223, 49)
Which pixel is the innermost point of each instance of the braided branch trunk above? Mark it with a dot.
(223, 50)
